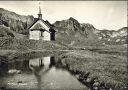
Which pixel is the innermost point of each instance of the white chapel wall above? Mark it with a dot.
(35, 35)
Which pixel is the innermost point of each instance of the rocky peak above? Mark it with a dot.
(73, 20)
(88, 26)
(66, 23)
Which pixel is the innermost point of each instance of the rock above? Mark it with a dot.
(110, 88)
(14, 71)
(86, 75)
(19, 82)
(77, 76)
(88, 80)
(96, 84)
(95, 88)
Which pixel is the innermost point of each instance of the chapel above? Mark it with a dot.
(41, 29)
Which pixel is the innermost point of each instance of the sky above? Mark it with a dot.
(110, 15)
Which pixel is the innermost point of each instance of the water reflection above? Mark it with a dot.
(40, 66)
(23, 66)
(43, 61)
(3, 68)
(39, 73)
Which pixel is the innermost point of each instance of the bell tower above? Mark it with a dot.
(39, 14)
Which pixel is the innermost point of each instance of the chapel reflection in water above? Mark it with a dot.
(40, 66)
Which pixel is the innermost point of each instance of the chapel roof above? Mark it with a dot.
(39, 26)
(45, 22)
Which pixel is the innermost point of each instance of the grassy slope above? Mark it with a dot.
(6, 32)
(26, 44)
(108, 68)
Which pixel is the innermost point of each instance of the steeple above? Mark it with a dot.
(39, 14)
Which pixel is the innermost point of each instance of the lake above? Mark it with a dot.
(37, 73)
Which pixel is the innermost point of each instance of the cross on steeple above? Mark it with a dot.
(39, 14)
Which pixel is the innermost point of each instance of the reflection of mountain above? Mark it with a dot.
(20, 65)
(38, 64)
(3, 68)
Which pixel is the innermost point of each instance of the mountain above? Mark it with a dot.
(17, 23)
(113, 37)
(72, 32)
(7, 33)
(68, 31)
